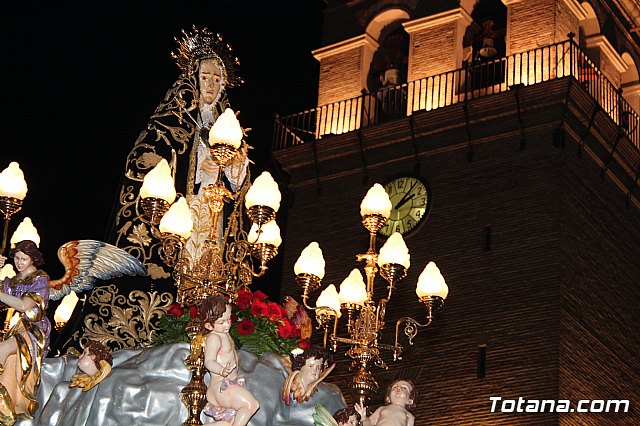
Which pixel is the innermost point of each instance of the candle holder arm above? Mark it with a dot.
(411, 329)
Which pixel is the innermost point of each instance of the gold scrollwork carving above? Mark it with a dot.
(124, 322)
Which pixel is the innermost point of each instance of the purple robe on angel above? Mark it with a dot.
(40, 286)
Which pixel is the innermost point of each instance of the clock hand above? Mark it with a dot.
(404, 201)
(406, 196)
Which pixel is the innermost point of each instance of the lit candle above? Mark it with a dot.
(431, 282)
(270, 234)
(376, 202)
(329, 299)
(263, 192)
(7, 271)
(178, 219)
(158, 183)
(352, 289)
(394, 251)
(226, 130)
(310, 261)
(66, 307)
(25, 231)
(12, 183)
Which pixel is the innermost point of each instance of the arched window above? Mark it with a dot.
(388, 66)
(389, 63)
(485, 44)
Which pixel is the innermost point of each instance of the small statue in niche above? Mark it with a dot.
(401, 396)
(95, 365)
(309, 368)
(228, 401)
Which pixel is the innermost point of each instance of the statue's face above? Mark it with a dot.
(86, 364)
(401, 393)
(210, 78)
(222, 324)
(22, 261)
(311, 370)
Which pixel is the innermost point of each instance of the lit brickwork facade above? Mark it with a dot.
(538, 238)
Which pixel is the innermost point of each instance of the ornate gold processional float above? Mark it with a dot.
(224, 258)
(209, 248)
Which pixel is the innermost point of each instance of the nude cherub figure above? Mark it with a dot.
(400, 398)
(229, 402)
(309, 369)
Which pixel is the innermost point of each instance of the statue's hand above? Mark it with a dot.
(228, 369)
(2, 260)
(361, 409)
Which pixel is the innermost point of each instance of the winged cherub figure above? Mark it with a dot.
(94, 364)
(309, 368)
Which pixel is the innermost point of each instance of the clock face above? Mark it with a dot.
(410, 201)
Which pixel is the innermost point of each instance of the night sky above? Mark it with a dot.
(79, 82)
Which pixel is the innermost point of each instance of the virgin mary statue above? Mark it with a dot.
(178, 132)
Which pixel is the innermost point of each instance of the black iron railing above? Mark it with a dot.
(474, 80)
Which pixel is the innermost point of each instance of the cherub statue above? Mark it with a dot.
(25, 345)
(401, 396)
(229, 402)
(309, 368)
(343, 417)
(95, 365)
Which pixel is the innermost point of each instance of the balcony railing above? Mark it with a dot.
(474, 80)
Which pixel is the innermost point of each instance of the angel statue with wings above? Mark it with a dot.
(25, 345)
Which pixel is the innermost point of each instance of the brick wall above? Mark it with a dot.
(539, 23)
(520, 294)
(599, 293)
(609, 70)
(340, 76)
(506, 292)
(532, 24)
(433, 51)
(567, 22)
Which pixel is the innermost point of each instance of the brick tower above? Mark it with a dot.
(522, 118)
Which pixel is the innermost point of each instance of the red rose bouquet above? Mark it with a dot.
(171, 327)
(257, 324)
(263, 326)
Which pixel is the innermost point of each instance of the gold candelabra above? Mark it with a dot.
(366, 317)
(229, 260)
